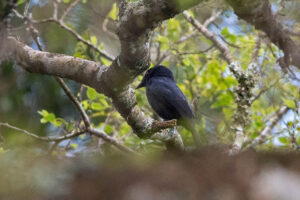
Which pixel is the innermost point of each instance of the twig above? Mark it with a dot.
(74, 3)
(228, 43)
(184, 38)
(26, 8)
(55, 9)
(70, 30)
(46, 139)
(212, 18)
(223, 48)
(267, 130)
(111, 140)
(75, 101)
(263, 90)
(191, 53)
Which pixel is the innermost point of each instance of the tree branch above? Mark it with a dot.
(46, 139)
(277, 116)
(210, 35)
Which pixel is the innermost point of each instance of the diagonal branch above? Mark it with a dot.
(263, 135)
(75, 101)
(70, 7)
(210, 35)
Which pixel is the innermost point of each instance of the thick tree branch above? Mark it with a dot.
(85, 72)
(80, 70)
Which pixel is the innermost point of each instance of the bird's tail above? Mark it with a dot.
(190, 125)
(196, 136)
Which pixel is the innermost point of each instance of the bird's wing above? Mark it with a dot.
(167, 99)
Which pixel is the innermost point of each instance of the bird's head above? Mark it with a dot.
(157, 71)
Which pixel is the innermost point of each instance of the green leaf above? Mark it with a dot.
(74, 145)
(228, 112)
(91, 93)
(162, 39)
(85, 105)
(164, 42)
(108, 129)
(20, 2)
(224, 99)
(289, 124)
(2, 151)
(51, 118)
(254, 135)
(113, 12)
(105, 61)
(289, 103)
(43, 121)
(186, 61)
(298, 140)
(94, 40)
(103, 101)
(174, 29)
(57, 122)
(284, 140)
(96, 106)
(231, 37)
(47, 117)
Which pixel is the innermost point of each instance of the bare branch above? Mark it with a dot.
(277, 116)
(263, 90)
(71, 6)
(212, 18)
(46, 139)
(75, 101)
(223, 48)
(111, 140)
(78, 37)
(273, 121)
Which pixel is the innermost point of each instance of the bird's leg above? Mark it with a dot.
(173, 130)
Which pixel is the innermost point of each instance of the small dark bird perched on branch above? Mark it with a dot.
(166, 98)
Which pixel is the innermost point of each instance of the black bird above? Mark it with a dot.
(166, 99)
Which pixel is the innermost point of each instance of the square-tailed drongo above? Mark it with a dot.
(166, 99)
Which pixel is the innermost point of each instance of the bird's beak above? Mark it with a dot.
(142, 84)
